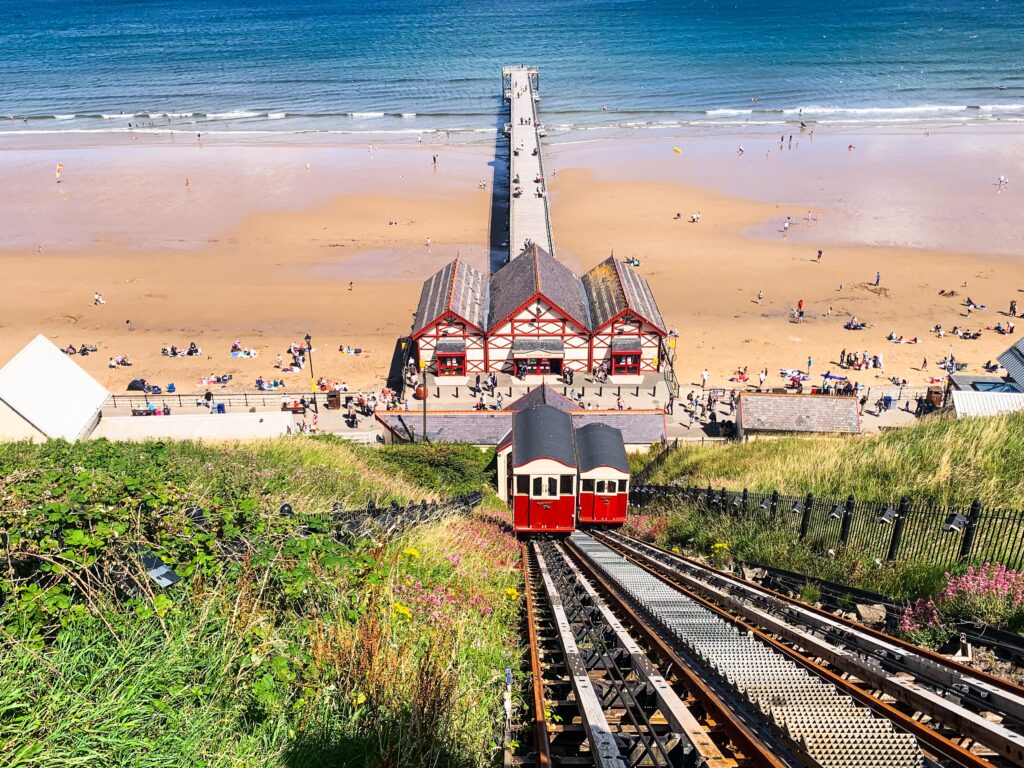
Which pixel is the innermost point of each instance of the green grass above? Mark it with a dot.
(944, 462)
(305, 653)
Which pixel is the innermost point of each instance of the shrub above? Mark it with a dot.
(990, 594)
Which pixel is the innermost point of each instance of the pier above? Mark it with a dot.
(529, 217)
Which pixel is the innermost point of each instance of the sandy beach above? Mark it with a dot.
(263, 241)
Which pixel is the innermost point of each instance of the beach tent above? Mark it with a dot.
(137, 385)
(45, 394)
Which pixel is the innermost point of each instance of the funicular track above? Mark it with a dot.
(599, 697)
(955, 714)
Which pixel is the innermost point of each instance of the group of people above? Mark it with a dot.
(119, 361)
(84, 349)
(173, 350)
(858, 362)
(238, 351)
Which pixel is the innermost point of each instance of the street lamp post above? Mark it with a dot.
(312, 377)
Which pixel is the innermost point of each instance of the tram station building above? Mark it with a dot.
(535, 317)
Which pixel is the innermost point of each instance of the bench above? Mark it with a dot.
(299, 409)
(143, 412)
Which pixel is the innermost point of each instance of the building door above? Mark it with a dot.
(451, 365)
(626, 363)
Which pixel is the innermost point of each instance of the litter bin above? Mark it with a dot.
(887, 400)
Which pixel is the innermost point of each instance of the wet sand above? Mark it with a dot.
(260, 248)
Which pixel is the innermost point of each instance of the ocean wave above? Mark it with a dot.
(365, 114)
(276, 115)
(407, 115)
(239, 114)
(814, 109)
(64, 117)
(727, 112)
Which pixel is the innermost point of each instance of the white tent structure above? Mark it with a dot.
(44, 394)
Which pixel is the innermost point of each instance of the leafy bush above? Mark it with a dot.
(285, 648)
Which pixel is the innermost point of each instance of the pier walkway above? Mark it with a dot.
(529, 218)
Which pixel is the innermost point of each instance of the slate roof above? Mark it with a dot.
(764, 412)
(457, 287)
(598, 445)
(637, 427)
(612, 287)
(542, 432)
(489, 427)
(543, 395)
(536, 271)
(1013, 361)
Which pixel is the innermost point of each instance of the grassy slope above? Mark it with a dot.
(947, 462)
(305, 653)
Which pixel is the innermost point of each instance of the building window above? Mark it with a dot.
(626, 363)
(451, 365)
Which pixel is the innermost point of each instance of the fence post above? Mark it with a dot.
(746, 502)
(967, 544)
(805, 519)
(710, 497)
(844, 529)
(774, 508)
(897, 530)
(722, 499)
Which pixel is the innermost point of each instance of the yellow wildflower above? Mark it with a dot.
(720, 545)
(358, 697)
(512, 593)
(411, 552)
(401, 610)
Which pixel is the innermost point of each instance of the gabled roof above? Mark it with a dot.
(50, 391)
(1013, 361)
(543, 395)
(535, 272)
(598, 445)
(542, 432)
(457, 287)
(612, 287)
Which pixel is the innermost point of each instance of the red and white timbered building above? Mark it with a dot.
(628, 333)
(449, 329)
(534, 318)
(539, 323)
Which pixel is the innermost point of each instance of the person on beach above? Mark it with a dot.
(1013, 307)
(878, 278)
(435, 158)
(704, 378)
(740, 151)
(819, 256)
(97, 299)
(760, 295)
(761, 377)
(350, 286)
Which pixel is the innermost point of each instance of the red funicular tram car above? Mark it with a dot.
(539, 461)
(603, 475)
(553, 474)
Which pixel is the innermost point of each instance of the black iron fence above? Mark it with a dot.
(903, 530)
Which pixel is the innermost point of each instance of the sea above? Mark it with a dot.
(405, 67)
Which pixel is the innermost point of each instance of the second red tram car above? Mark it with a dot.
(603, 476)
